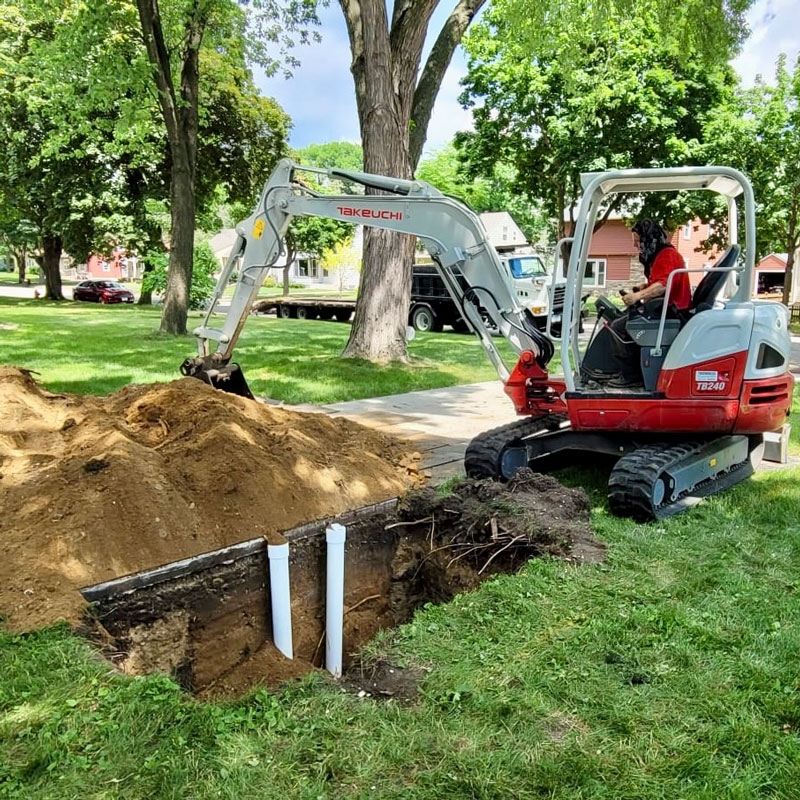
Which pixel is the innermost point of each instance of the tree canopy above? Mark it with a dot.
(621, 97)
(758, 131)
(89, 157)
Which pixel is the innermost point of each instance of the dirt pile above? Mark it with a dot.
(93, 488)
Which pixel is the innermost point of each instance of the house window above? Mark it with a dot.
(106, 266)
(307, 268)
(687, 230)
(595, 274)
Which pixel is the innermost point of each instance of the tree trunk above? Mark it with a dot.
(384, 289)
(788, 276)
(21, 257)
(385, 66)
(179, 275)
(51, 262)
(146, 295)
(179, 108)
(290, 256)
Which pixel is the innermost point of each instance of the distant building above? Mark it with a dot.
(504, 234)
(770, 273)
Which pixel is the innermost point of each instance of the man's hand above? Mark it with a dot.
(630, 298)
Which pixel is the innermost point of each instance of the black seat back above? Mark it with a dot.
(713, 281)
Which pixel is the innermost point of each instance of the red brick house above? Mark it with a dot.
(101, 267)
(111, 267)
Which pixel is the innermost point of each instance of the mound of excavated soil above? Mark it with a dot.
(92, 488)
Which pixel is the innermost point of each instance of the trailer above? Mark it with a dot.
(306, 308)
(431, 305)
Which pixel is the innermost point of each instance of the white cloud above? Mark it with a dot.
(775, 26)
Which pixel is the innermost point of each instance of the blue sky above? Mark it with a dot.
(320, 99)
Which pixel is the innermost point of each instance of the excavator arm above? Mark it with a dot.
(452, 233)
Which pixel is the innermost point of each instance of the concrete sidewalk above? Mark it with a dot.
(440, 422)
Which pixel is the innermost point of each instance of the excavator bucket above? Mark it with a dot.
(228, 378)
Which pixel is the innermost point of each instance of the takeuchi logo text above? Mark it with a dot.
(368, 213)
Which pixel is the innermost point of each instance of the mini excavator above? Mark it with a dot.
(716, 375)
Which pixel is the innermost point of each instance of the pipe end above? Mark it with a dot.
(335, 533)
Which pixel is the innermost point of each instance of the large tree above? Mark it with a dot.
(174, 44)
(395, 101)
(623, 97)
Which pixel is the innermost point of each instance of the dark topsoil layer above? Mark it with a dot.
(443, 544)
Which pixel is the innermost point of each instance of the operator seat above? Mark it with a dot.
(709, 288)
(644, 330)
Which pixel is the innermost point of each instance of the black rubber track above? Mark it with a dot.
(482, 459)
(630, 486)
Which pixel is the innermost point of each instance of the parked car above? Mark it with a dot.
(102, 292)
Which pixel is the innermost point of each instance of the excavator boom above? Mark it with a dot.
(452, 233)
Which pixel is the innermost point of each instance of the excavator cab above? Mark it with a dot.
(715, 375)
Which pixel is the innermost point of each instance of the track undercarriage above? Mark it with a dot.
(654, 477)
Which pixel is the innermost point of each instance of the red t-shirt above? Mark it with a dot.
(666, 261)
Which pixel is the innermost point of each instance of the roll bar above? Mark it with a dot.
(728, 182)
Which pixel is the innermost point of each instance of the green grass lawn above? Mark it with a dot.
(670, 671)
(10, 277)
(90, 349)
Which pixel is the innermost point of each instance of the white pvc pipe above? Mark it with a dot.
(335, 536)
(281, 597)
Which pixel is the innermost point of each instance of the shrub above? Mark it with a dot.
(205, 265)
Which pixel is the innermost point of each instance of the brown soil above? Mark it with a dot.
(92, 488)
(266, 667)
(485, 527)
(384, 680)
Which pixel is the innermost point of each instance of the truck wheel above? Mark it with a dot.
(285, 312)
(342, 314)
(326, 313)
(423, 319)
(306, 312)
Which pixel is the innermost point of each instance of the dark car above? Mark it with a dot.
(102, 292)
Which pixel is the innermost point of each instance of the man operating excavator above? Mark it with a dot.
(659, 258)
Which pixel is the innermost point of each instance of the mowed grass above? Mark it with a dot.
(90, 349)
(670, 671)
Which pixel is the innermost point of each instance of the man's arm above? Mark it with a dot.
(655, 289)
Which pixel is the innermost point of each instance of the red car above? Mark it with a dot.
(102, 292)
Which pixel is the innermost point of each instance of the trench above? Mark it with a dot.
(206, 621)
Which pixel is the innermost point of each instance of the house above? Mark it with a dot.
(504, 234)
(101, 267)
(770, 273)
